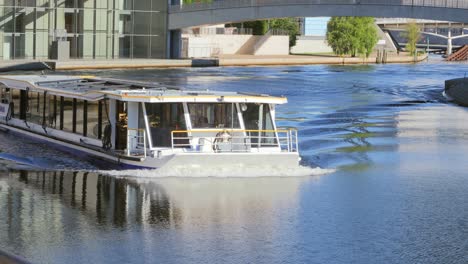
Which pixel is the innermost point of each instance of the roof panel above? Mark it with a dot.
(95, 88)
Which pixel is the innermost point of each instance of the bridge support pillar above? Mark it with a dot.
(449, 43)
(175, 44)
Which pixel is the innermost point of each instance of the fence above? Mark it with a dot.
(222, 140)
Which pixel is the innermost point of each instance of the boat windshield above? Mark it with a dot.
(162, 119)
(213, 115)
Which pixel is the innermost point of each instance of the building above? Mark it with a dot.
(91, 29)
(315, 26)
(313, 36)
(219, 40)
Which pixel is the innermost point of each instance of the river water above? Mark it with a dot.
(392, 188)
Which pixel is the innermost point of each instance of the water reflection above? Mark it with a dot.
(54, 217)
(121, 202)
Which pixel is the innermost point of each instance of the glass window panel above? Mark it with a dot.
(68, 115)
(124, 46)
(142, 5)
(88, 45)
(101, 46)
(15, 94)
(213, 115)
(158, 5)
(93, 118)
(125, 24)
(142, 22)
(42, 45)
(35, 107)
(101, 20)
(251, 114)
(158, 47)
(126, 4)
(162, 119)
(158, 24)
(79, 116)
(8, 48)
(54, 111)
(19, 46)
(141, 47)
(8, 14)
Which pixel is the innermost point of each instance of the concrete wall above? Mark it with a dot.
(271, 45)
(214, 45)
(311, 44)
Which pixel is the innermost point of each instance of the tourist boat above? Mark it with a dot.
(147, 125)
(457, 90)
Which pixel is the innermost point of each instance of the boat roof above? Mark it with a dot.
(93, 88)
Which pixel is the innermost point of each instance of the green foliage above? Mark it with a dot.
(412, 35)
(288, 24)
(259, 27)
(352, 35)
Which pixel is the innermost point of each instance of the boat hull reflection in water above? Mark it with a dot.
(121, 202)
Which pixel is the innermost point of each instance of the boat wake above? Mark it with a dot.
(226, 172)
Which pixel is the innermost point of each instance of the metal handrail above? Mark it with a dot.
(137, 138)
(285, 139)
(457, 4)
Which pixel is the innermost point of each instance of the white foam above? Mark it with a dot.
(235, 172)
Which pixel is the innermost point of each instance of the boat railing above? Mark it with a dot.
(136, 142)
(236, 140)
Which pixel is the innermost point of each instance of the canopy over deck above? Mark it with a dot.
(94, 88)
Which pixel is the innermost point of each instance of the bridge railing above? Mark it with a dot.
(221, 4)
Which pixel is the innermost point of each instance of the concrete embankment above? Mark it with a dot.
(232, 60)
(246, 60)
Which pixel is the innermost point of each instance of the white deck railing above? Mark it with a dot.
(136, 142)
(224, 140)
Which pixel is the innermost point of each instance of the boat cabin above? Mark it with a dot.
(140, 118)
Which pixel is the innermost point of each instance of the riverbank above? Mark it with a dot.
(224, 60)
(251, 60)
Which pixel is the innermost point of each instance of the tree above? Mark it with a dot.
(367, 35)
(412, 35)
(352, 35)
(259, 27)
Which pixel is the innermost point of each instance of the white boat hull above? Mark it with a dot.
(182, 159)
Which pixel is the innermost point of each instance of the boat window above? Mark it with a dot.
(93, 116)
(258, 117)
(79, 118)
(212, 115)
(67, 115)
(16, 99)
(121, 125)
(163, 119)
(37, 104)
(4, 95)
(53, 109)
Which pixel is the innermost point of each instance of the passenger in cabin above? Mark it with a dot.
(203, 122)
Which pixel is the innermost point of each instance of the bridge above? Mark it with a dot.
(429, 28)
(227, 11)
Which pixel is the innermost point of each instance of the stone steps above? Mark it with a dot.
(460, 55)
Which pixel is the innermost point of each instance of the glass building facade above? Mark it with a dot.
(95, 29)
